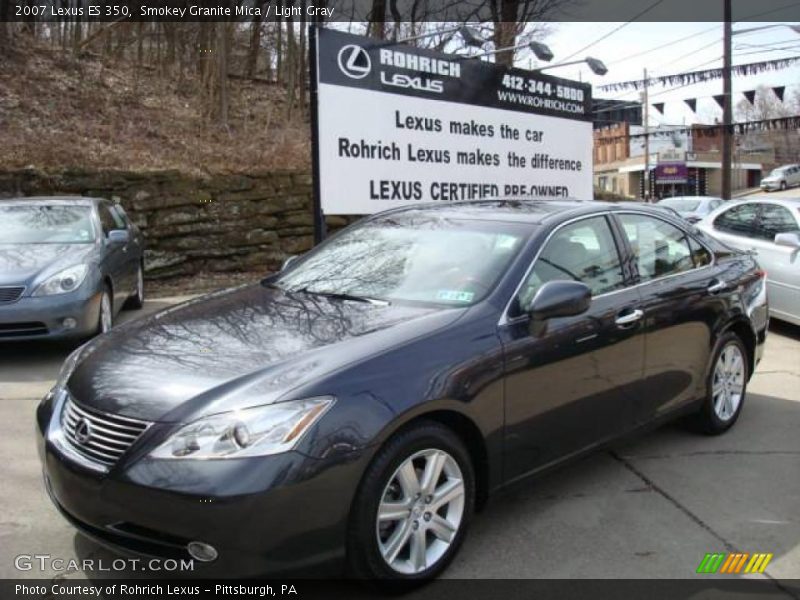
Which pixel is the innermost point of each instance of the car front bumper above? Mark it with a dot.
(770, 185)
(281, 514)
(34, 318)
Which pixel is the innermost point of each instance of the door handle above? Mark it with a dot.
(717, 287)
(629, 318)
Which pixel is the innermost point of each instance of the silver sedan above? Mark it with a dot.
(771, 229)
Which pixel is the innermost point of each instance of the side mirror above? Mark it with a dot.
(790, 240)
(288, 261)
(119, 236)
(560, 299)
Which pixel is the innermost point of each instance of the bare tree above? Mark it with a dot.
(512, 18)
(785, 144)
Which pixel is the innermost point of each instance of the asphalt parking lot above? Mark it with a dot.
(650, 508)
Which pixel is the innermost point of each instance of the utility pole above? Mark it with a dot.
(727, 112)
(646, 122)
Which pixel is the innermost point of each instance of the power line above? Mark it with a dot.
(667, 91)
(662, 46)
(613, 31)
(688, 54)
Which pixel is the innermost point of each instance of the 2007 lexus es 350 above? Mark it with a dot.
(357, 407)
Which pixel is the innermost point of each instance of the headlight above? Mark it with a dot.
(62, 282)
(259, 431)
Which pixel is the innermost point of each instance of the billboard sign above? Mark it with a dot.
(673, 172)
(396, 125)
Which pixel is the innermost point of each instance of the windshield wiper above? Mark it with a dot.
(343, 296)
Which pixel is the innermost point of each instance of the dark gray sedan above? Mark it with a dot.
(355, 408)
(67, 267)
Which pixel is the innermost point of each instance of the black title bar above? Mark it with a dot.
(433, 11)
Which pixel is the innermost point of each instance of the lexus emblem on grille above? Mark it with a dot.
(83, 431)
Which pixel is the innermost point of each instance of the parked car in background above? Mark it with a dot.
(771, 229)
(781, 178)
(67, 267)
(361, 403)
(691, 208)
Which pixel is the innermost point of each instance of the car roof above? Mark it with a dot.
(514, 209)
(54, 200)
(792, 202)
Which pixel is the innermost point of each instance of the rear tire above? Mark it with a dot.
(726, 385)
(422, 483)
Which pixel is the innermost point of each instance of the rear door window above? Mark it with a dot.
(739, 220)
(659, 248)
(775, 219)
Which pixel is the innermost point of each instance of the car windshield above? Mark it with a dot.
(681, 204)
(778, 172)
(43, 224)
(422, 259)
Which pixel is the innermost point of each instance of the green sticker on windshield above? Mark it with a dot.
(454, 296)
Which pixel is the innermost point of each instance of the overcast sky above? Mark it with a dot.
(701, 50)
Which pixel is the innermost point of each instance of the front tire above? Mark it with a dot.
(783, 185)
(105, 318)
(413, 506)
(137, 300)
(727, 386)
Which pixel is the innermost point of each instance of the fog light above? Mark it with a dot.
(69, 323)
(201, 551)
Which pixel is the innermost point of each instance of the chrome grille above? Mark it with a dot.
(10, 294)
(98, 436)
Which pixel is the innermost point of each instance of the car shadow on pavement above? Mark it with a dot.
(788, 330)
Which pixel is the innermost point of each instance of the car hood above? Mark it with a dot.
(21, 264)
(771, 179)
(242, 347)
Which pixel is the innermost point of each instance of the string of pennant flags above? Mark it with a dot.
(750, 96)
(782, 123)
(690, 77)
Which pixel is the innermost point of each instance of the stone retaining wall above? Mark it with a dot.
(198, 224)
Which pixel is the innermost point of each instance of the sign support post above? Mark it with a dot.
(319, 218)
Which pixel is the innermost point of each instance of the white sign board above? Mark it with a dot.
(398, 125)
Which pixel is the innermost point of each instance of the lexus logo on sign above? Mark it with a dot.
(83, 431)
(354, 61)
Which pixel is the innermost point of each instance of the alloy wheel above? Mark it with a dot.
(728, 384)
(140, 284)
(420, 511)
